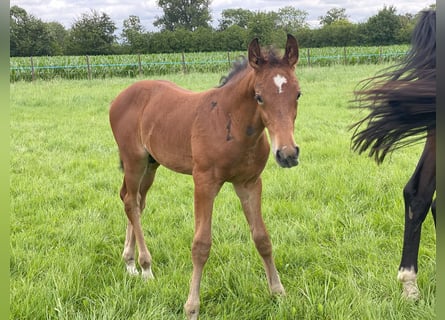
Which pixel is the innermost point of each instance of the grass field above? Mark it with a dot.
(336, 220)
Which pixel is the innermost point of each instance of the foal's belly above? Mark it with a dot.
(166, 137)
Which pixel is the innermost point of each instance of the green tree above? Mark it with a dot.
(234, 38)
(183, 40)
(18, 37)
(92, 33)
(28, 36)
(168, 41)
(383, 28)
(58, 34)
(186, 14)
(292, 19)
(262, 26)
(202, 40)
(407, 24)
(340, 33)
(133, 35)
(333, 15)
(235, 17)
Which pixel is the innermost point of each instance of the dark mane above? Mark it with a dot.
(238, 66)
(272, 58)
(402, 98)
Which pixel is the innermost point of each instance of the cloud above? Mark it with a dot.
(66, 11)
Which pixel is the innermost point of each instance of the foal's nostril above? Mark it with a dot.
(280, 155)
(287, 160)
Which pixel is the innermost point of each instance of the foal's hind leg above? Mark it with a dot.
(418, 195)
(130, 239)
(250, 196)
(137, 180)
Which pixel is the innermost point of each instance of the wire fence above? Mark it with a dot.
(142, 65)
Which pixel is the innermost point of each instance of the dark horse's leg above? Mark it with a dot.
(250, 196)
(139, 176)
(418, 194)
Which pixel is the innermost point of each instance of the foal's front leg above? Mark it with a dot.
(205, 193)
(250, 196)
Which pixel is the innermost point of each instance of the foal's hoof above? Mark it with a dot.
(278, 290)
(191, 312)
(147, 274)
(131, 269)
(192, 315)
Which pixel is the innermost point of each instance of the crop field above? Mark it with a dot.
(99, 67)
(335, 220)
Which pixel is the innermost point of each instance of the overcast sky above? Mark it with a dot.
(67, 11)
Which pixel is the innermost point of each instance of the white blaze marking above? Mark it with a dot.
(279, 80)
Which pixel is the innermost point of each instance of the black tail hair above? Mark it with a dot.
(402, 98)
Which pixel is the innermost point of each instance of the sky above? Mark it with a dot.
(68, 11)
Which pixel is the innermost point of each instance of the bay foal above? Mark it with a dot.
(216, 136)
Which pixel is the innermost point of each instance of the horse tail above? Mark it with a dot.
(402, 99)
(401, 114)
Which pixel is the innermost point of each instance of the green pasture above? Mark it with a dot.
(336, 220)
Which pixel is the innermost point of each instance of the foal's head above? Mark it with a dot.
(277, 92)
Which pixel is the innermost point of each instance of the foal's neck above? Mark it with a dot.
(241, 90)
(240, 104)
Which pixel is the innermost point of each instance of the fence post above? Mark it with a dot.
(380, 54)
(88, 67)
(345, 56)
(184, 67)
(140, 65)
(228, 59)
(308, 57)
(32, 70)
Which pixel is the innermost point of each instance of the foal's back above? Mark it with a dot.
(156, 117)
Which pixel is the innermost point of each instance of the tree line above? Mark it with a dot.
(187, 28)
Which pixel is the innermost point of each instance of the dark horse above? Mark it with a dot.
(216, 136)
(402, 101)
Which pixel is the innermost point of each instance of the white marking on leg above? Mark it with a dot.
(279, 80)
(131, 268)
(147, 274)
(408, 277)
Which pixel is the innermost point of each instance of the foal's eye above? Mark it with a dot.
(259, 99)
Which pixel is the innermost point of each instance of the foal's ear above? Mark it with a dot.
(291, 54)
(255, 57)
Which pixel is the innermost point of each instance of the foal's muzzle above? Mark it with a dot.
(287, 157)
